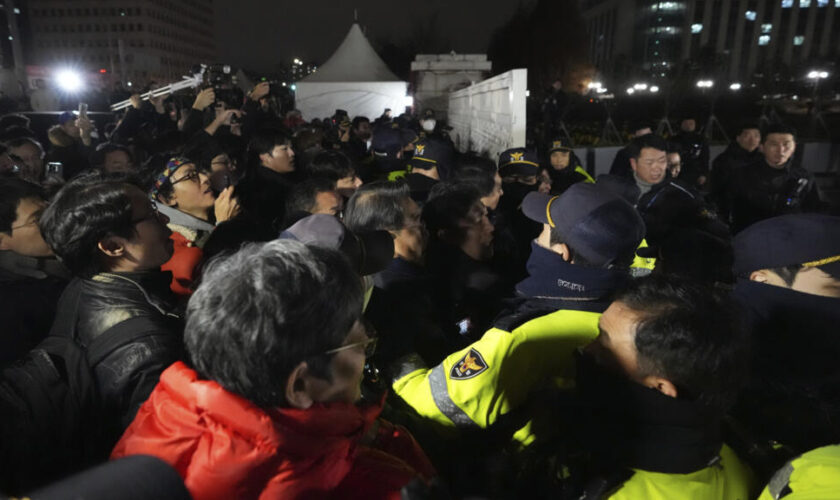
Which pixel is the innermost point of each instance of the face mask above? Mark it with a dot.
(516, 191)
(428, 125)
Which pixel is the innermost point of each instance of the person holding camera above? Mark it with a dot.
(183, 193)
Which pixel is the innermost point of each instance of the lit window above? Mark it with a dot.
(798, 40)
(764, 39)
(766, 28)
(750, 15)
(786, 4)
(696, 28)
(804, 4)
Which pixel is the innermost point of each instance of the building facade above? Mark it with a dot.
(435, 76)
(129, 40)
(652, 37)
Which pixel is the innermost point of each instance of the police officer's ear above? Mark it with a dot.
(660, 384)
(298, 387)
(760, 276)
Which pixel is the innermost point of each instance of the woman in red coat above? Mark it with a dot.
(272, 408)
(183, 194)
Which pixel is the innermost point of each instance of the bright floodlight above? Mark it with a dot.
(595, 85)
(654, 89)
(823, 74)
(735, 86)
(631, 90)
(814, 75)
(640, 86)
(68, 81)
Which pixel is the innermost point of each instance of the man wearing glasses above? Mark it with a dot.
(271, 406)
(113, 240)
(31, 279)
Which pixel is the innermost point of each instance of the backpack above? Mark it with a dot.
(49, 423)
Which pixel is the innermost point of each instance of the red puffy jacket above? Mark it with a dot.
(225, 447)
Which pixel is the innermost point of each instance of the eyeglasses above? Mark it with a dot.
(193, 175)
(369, 344)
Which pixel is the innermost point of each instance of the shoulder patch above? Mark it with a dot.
(471, 365)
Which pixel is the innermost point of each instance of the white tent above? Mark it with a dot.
(354, 79)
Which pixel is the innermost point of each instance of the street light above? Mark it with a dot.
(630, 91)
(654, 89)
(640, 86)
(68, 80)
(735, 86)
(705, 84)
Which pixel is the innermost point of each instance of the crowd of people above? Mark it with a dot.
(238, 304)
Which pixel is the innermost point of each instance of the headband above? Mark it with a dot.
(171, 166)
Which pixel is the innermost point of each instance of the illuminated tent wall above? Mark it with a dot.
(354, 79)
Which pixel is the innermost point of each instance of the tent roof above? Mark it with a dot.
(353, 61)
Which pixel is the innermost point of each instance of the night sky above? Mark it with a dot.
(257, 34)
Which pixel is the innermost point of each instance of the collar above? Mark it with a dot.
(17, 266)
(183, 219)
(153, 285)
(550, 277)
(644, 187)
(630, 425)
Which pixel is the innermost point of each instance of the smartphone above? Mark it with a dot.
(55, 169)
(83, 109)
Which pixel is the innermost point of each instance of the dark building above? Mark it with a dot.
(649, 38)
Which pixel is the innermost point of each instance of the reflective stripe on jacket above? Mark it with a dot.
(475, 386)
(814, 475)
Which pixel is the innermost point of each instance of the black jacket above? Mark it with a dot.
(672, 205)
(404, 312)
(621, 164)
(694, 152)
(794, 392)
(759, 191)
(101, 305)
(468, 293)
(723, 168)
(262, 194)
(29, 293)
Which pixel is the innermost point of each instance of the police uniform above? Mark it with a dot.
(561, 180)
(812, 476)
(476, 386)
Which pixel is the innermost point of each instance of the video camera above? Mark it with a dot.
(223, 81)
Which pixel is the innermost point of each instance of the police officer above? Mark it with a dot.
(566, 168)
(772, 185)
(572, 274)
(788, 271)
(519, 169)
(815, 474)
(424, 169)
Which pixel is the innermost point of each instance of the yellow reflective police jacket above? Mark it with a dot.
(814, 475)
(727, 479)
(476, 385)
(588, 178)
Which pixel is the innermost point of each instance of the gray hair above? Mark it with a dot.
(265, 309)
